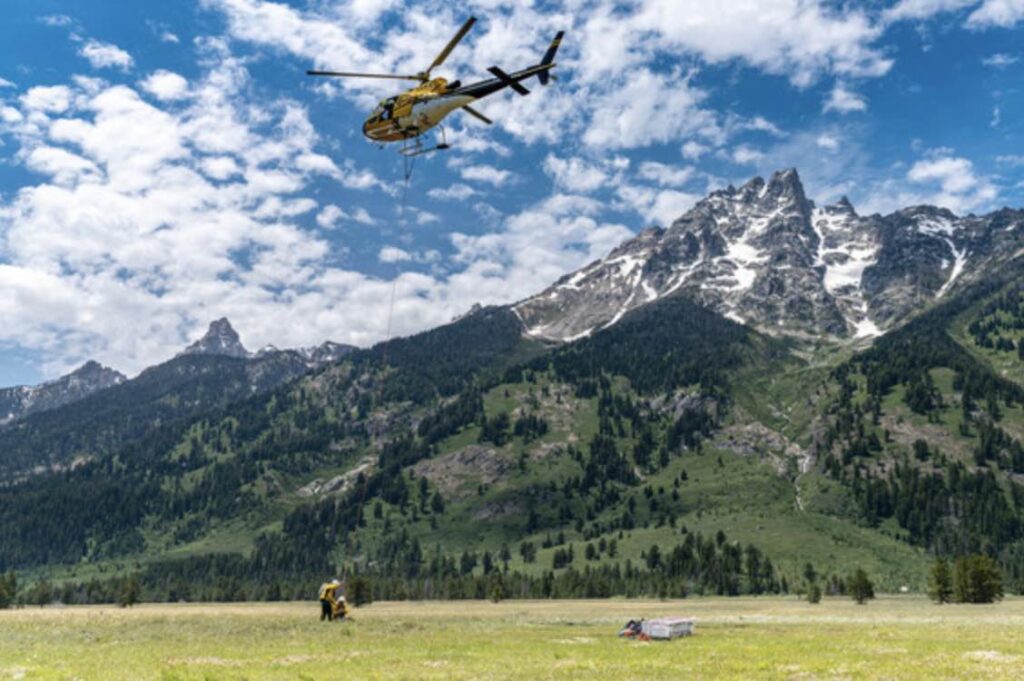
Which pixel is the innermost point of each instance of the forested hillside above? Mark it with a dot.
(673, 452)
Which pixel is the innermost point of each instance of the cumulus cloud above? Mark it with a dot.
(693, 150)
(746, 155)
(828, 141)
(940, 179)
(657, 206)
(484, 173)
(392, 254)
(924, 9)
(149, 222)
(456, 192)
(6, 83)
(666, 175)
(999, 13)
(982, 15)
(106, 55)
(843, 100)
(166, 85)
(575, 174)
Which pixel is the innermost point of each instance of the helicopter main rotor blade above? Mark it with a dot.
(347, 74)
(451, 45)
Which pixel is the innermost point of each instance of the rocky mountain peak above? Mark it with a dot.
(841, 207)
(21, 401)
(764, 255)
(220, 339)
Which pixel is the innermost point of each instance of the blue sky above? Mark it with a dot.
(165, 164)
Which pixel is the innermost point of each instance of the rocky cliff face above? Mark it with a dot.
(20, 401)
(763, 254)
(220, 339)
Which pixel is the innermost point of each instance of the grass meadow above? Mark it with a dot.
(736, 638)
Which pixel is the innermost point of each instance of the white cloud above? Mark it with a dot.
(485, 173)
(694, 150)
(1000, 13)
(6, 83)
(796, 38)
(1014, 160)
(456, 192)
(924, 9)
(1000, 60)
(746, 155)
(575, 174)
(57, 20)
(363, 217)
(330, 216)
(627, 114)
(47, 99)
(106, 55)
(986, 14)
(843, 101)
(665, 175)
(828, 141)
(391, 254)
(996, 117)
(957, 184)
(168, 37)
(424, 217)
(166, 85)
(657, 206)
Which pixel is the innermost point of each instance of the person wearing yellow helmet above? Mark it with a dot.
(329, 599)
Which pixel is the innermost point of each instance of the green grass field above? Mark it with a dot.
(738, 638)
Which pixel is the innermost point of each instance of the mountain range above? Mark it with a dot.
(765, 255)
(761, 385)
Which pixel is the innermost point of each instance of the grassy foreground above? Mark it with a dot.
(740, 638)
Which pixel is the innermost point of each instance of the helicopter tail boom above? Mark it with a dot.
(549, 58)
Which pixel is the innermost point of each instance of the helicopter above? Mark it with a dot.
(407, 116)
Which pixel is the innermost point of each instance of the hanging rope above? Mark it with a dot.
(408, 164)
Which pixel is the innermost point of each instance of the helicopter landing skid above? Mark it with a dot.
(417, 149)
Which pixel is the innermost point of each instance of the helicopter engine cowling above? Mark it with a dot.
(426, 114)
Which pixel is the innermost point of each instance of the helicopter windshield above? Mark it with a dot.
(385, 108)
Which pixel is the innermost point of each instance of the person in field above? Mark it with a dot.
(329, 599)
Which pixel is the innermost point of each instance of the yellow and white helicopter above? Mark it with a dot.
(404, 117)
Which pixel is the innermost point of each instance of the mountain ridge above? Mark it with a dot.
(766, 255)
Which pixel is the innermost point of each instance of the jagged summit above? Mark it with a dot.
(220, 339)
(765, 255)
(21, 401)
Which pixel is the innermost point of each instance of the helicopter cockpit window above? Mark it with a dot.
(388, 106)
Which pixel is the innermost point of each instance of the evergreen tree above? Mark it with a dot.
(940, 587)
(128, 594)
(814, 593)
(977, 579)
(860, 587)
(8, 590)
(359, 592)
